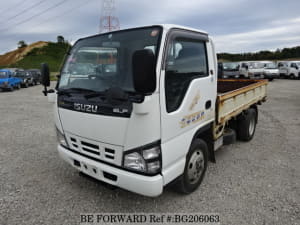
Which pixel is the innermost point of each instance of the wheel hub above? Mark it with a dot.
(195, 167)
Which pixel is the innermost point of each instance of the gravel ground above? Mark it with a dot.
(251, 183)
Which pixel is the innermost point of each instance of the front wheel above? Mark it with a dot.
(195, 167)
(246, 125)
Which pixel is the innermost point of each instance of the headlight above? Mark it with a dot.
(61, 138)
(145, 160)
(135, 161)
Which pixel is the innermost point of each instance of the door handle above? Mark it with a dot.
(208, 104)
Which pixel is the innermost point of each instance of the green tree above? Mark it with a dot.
(60, 39)
(22, 44)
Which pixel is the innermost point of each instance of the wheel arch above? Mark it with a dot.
(205, 133)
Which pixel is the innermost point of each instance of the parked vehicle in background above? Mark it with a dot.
(251, 69)
(220, 70)
(26, 78)
(289, 69)
(36, 74)
(8, 81)
(154, 119)
(271, 70)
(231, 70)
(14, 70)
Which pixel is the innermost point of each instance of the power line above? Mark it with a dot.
(12, 7)
(63, 13)
(35, 15)
(24, 11)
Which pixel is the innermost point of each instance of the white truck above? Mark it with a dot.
(289, 69)
(142, 108)
(271, 70)
(251, 69)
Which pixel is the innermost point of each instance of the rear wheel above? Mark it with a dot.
(195, 167)
(292, 76)
(246, 125)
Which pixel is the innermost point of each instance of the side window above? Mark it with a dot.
(186, 60)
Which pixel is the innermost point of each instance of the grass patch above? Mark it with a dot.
(53, 76)
(53, 54)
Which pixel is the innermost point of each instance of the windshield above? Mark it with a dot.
(3, 74)
(270, 66)
(231, 66)
(104, 61)
(256, 65)
(21, 74)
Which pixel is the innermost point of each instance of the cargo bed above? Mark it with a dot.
(235, 96)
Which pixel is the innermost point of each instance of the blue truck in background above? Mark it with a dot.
(8, 81)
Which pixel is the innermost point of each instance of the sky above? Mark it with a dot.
(236, 26)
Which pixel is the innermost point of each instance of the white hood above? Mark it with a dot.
(105, 129)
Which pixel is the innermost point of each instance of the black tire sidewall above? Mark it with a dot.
(196, 145)
(243, 125)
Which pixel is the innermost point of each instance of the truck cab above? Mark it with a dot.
(289, 69)
(138, 108)
(25, 77)
(231, 70)
(7, 81)
(251, 69)
(271, 70)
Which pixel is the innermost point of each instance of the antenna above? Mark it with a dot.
(108, 22)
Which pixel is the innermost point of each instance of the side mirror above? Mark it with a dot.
(143, 70)
(45, 77)
(247, 67)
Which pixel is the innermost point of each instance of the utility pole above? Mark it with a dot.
(108, 21)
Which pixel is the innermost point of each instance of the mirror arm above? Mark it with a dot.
(45, 91)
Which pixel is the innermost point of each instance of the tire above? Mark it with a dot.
(246, 125)
(11, 88)
(292, 76)
(26, 85)
(271, 79)
(195, 167)
(19, 86)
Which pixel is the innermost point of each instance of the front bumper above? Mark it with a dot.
(145, 185)
(271, 75)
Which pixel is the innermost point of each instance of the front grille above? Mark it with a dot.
(98, 150)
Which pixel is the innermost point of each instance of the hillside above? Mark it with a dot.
(33, 55)
(16, 55)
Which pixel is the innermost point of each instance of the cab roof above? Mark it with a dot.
(172, 26)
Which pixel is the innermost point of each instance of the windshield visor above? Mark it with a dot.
(104, 61)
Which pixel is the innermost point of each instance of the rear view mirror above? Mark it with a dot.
(45, 77)
(143, 69)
